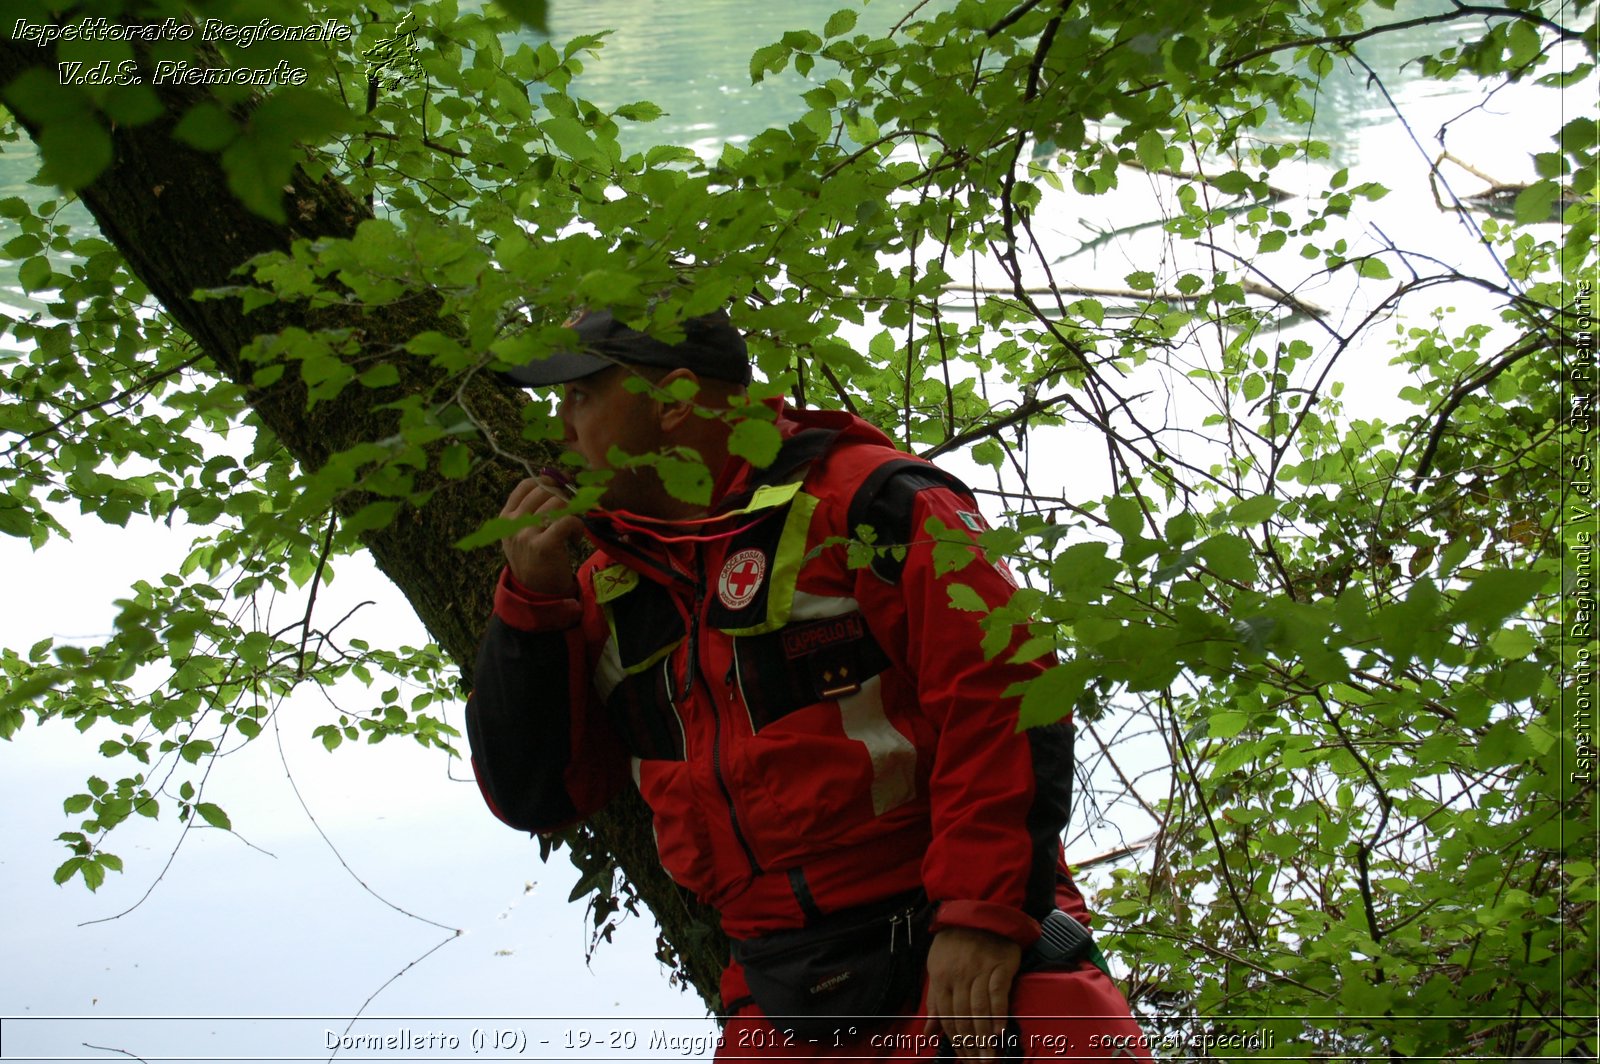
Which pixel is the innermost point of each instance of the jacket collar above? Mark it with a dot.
(648, 545)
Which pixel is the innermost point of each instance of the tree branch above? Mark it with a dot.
(125, 394)
(1529, 345)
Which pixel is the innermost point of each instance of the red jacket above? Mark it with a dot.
(812, 733)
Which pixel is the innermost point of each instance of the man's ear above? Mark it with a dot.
(675, 411)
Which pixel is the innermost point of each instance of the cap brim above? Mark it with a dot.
(559, 368)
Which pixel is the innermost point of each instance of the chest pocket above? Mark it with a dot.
(753, 590)
(806, 663)
(633, 678)
(782, 665)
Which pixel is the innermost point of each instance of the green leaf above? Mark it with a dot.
(492, 531)
(689, 481)
(756, 440)
(1374, 269)
(23, 246)
(769, 59)
(455, 462)
(330, 736)
(1227, 724)
(35, 274)
(1152, 150)
(1233, 182)
(15, 521)
(207, 127)
(642, 111)
(1512, 642)
(1125, 516)
(69, 868)
(373, 515)
(1231, 557)
(534, 14)
(1537, 202)
(212, 814)
(1180, 528)
(74, 155)
(963, 597)
(384, 375)
(1496, 595)
(571, 137)
(1052, 694)
(1082, 567)
(840, 22)
(1253, 511)
(258, 171)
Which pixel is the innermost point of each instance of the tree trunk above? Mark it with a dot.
(167, 208)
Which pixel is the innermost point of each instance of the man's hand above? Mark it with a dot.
(970, 974)
(537, 555)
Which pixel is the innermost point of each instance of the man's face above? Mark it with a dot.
(598, 413)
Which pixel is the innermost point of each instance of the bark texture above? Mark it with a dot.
(167, 208)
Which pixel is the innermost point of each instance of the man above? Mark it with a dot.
(831, 761)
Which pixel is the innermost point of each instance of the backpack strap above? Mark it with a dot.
(885, 502)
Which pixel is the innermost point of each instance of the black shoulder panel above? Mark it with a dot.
(884, 503)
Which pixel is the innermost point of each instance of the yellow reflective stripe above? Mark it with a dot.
(653, 659)
(610, 584)
(769, 495)
(615, 642)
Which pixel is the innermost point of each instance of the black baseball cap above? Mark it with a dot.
(711, 347)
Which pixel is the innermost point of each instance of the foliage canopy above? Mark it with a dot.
(1338, 663)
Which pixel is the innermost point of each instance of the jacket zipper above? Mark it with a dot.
(690, 673)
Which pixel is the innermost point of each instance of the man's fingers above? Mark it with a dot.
(531, 496)
(959, 1023)
(537, 554)
(970, 974)
(986, 1002)
(991, 1003)
(520, 495)
(562, 529)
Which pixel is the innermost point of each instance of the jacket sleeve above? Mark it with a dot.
(542, 750)
(999, 797)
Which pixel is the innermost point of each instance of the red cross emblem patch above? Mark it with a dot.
(741, 578)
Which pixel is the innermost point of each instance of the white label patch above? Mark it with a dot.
(974, 522)
(741, 578)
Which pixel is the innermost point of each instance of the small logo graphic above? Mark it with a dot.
(973, 521)
(741, 578)
(832, 983)
(612, 582)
